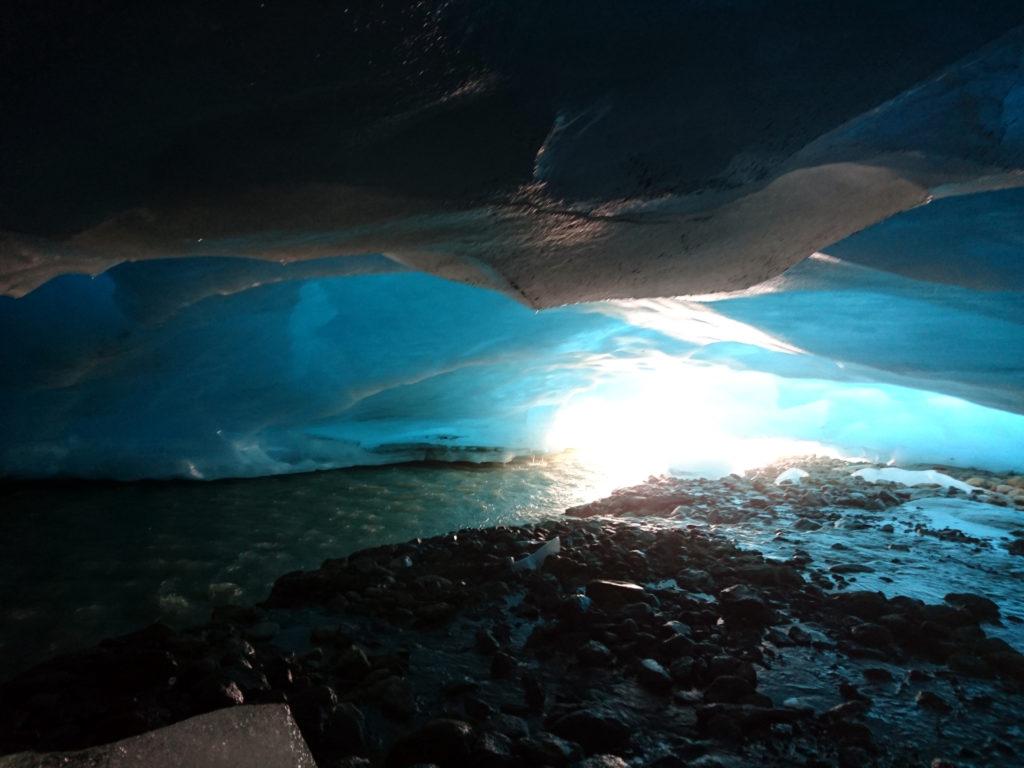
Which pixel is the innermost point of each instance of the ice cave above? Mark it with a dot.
(512, 384)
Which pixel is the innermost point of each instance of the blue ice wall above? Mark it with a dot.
(209, 368)
(287, 376)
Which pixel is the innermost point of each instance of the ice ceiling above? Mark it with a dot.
(249, 238)
(230, 367)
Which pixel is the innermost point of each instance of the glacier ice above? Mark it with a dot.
(211, 368)
(912, 477)
(791, 475)
(535, 559)
(983, 521)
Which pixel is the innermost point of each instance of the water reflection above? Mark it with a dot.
(82, 561)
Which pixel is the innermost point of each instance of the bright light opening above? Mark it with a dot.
(675, 416)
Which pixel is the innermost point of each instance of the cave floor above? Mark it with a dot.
(732, 622)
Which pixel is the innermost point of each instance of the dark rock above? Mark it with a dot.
(723, 727)
(434, 613)
(900, 625)
(653, 676)
(547, 749)
(477, 709)
(279, 672)
(351, 761)
(502, 665)
(682, 670)
(344, 731)
(351, 664)
(742, 602)
(877, 675)
(868, 606)
(848, 710)
(1008, 663)
(675, 628)
(639, 612)
(932, 701)
(395, 696)
(434, 584)
(595, 729)
(803, 524)
(981, 608)
(486, 642)
(843, 568)
(728, 689)
(872, 635)
(445, 743)
(731, 665)
(850, 692)
(854, 757)
(613, 595)
(850, 731)
(533, 692)
(770, 574)
(312, 708)
(326, 636)
(573, 607)
(510, 725)
(946, 616)
(251, 682)
(595, 654)
(493, 750)
(215, 692)
(144, 668)
(798, 635)
(677, 646)
(969, 664)
(602, 761)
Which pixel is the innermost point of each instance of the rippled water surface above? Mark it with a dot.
(79, 562)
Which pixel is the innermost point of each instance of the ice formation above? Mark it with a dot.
(912, 477)
(791, 475)
(217, 367)
(983, 521)
(316, 278)
(536, 559)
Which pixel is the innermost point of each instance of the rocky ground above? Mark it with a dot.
(660, 634)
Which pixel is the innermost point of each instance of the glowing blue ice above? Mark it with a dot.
(212, 367)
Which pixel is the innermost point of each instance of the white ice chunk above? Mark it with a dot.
(982, 521)
(791, 475)
(534, 561)
(912, 477)
(263, 736)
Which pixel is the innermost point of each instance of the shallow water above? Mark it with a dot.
(79, 562)
(906, 561)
